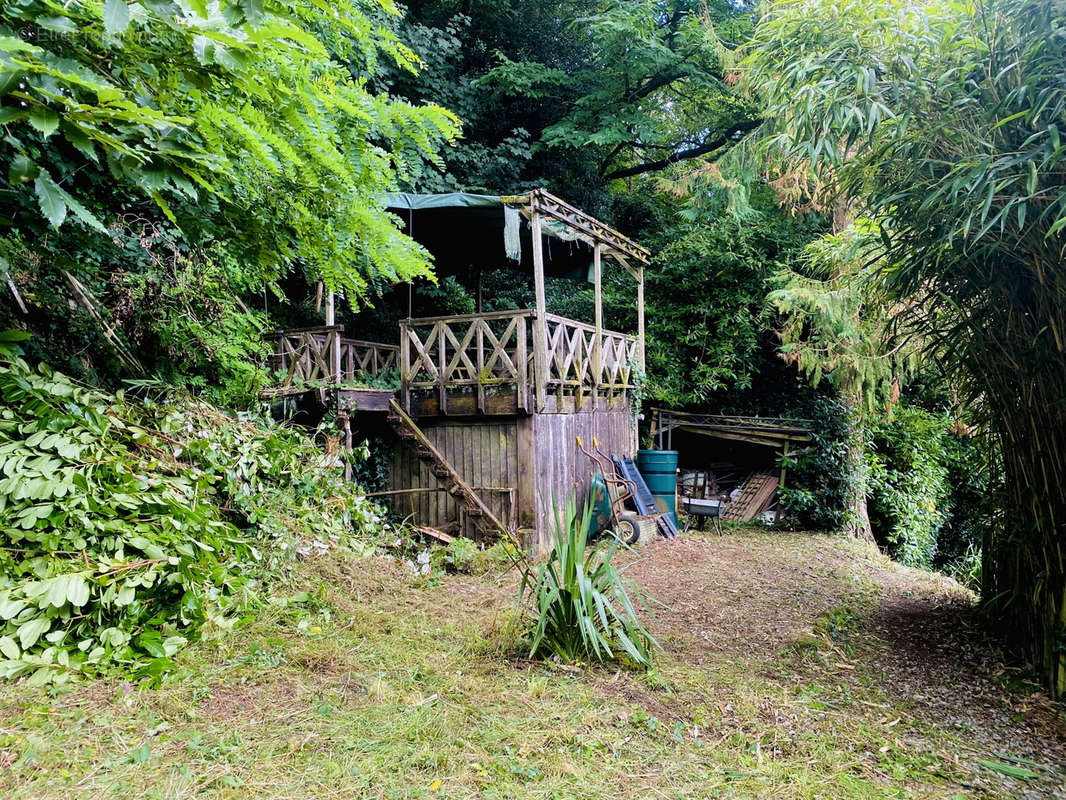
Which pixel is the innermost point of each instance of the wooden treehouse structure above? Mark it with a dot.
(489, 404)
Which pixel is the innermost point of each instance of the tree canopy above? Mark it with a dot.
(577, 94)
(245, 123)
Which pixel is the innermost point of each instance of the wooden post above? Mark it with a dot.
(480, 362)
(405, 368)
(640, 317)
(442, 366)
(784, 457)
(522, 365)
(540, 324)
(527, 472)
(330, 318)
(597, 345)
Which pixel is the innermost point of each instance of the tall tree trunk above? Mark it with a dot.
(857, 522)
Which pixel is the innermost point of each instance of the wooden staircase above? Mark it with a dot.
(470, 504)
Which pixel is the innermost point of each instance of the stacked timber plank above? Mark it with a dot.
(755, 494)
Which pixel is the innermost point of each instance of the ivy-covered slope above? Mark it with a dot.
(127, 525)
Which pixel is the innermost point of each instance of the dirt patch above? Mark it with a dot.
(735, 596)
(940, 661)
(916, 637)
(268, 701)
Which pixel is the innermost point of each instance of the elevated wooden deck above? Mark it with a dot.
(493, 363)
(472, 365)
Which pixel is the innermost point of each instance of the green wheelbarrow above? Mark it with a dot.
(607, 496)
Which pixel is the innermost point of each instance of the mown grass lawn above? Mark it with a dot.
(794, 666)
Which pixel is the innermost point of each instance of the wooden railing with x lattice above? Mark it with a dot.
(480, 352)
(492, 351)
(574, 363)
(307, 357)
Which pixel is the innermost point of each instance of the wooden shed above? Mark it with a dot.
(491, 403)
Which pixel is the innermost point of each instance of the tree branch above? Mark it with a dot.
(683, 155)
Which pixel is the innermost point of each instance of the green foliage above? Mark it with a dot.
(942, 122)
(819, 478)
(129, 525)
(258, 115)
(236, 140)
(705, 295)
(575, 94)
(909, 491)
(835, 324)
(187, 318)
(581, 601)
(654, 92)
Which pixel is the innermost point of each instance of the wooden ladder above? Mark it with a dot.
(469, 502)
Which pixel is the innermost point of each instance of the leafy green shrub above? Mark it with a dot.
(188, 321)
(817, 485)
(581, 601)
(975, 478)
(127, 525)
(909, 490)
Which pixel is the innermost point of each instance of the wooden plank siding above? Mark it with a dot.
(485, 454)
(535, 455)
(560, 469)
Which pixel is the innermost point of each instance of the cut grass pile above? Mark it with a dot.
(371, 682)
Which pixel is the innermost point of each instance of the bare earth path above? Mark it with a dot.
(793, 666)
(911, 637)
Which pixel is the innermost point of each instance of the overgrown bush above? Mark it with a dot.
(909, 491)
(189, 324)
(816, 491)
(581, 601)
(127, 525)
(976, 481)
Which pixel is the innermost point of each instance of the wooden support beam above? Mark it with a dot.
(330, 310)
(784, 466)
(540, 323)
(597, 344)
(716, 434)
(640, 317)
(405, 366)
(542, 202)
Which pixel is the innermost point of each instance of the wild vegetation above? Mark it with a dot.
(133, 520)
(857, 215)
(581, 603)
(787, 671)
(940, 126)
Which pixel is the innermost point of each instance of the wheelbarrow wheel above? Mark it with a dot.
(628, 528)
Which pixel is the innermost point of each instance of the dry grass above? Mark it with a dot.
(795, 666)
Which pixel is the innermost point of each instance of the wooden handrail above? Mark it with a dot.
(464, 351)
(425, 321)
(320, 355)
(312, 329)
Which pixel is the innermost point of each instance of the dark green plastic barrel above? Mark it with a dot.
(659, 482)
(659, 470)
(657, 461)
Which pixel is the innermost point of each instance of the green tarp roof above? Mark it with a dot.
(420, 202)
